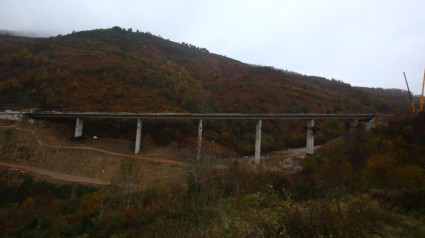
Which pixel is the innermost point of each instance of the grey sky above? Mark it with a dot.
(361, 42)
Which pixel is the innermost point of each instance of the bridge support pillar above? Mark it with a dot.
(79, 127)
(353, 125)
(370, 124)
(310, 137)
(198, 156)
(258, 142)
(138, 136)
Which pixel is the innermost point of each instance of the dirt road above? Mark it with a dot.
(55, 175)
(158, 160)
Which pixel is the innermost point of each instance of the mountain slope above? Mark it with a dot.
(119, 70)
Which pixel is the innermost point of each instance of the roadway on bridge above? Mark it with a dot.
(253, 116)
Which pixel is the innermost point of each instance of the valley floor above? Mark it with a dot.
(49, 152)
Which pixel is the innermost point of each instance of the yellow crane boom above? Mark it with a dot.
(421, 105)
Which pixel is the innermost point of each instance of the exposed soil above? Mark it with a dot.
(53, 175)
(30, 148)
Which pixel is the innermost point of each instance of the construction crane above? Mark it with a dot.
(421, 102)
(412, 106)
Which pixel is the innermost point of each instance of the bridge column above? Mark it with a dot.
(258, 142)
(79, 127)
(370, 124)
(353, 124)
(310, 137)
(138, 136)
(198, 156)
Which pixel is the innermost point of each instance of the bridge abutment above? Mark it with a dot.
(310, 137)
(138, 136)
(79, 127)
(12, 116)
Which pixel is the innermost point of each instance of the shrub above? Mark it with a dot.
(411, 176)
(10, 85)
(91, 204)
(17, 194)
(408, 199)
(380, 170)
(64, 192)
(30, 224)
(44, 188)
(363, 215)
(27, 206)
(81, 190)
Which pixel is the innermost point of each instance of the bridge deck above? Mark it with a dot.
(252, 116)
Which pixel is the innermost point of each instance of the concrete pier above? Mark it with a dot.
(310, 137)
(138, 136)
(79, 127)
(258, 142)
(198, 156)
(353, 124)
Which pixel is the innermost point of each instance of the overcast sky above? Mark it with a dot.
(361, 42)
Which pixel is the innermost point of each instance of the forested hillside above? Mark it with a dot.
(121, 70)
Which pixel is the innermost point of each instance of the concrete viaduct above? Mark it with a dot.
(310, 118)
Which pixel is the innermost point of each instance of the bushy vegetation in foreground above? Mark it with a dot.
(369, 184)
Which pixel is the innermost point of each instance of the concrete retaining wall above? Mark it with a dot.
(11, 116)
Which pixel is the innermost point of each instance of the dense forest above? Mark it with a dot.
(366, 184)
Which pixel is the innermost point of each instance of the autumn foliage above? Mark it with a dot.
(360, 185)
